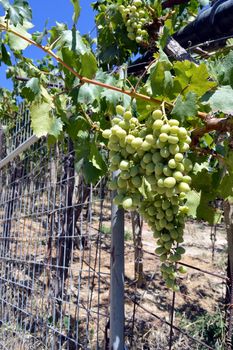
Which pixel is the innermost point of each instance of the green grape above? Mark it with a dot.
(160, 250)
(157, 124)
(187, 164)
(145, 146)
(150, 139)
(147, 158)
(169, 182)
(106, 133)
(158, 204)
(173, 149)
(127, 203)
(184, 209)
(129, 138)
(125, 175)
(124, 165)
(182, 269)
(172, 164)
(124, 125)
(178, 157)
(184, 147)
(173, 139)
(182, 133)
(165, 237)
(178, 176)
(174, 130)
(136, 181)
(160, 182)
(163, 137)
(130, 149)
(167, 171)
(163, 257)
(121, 133)
(183, 187)
(116, 121)
(173, 122)
(165, 128)
(121, 183)
(156, 157)
(180, 167)
(157, 114)
(150, 168)
(164, 152)
(151, 210)
(127, 115)
(180, 250)
(187, 179)
(166, 204)
(152, 179)
(134, 170)
(137, 142)
(169, 212)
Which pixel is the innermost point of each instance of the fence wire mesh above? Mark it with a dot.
(55, 261)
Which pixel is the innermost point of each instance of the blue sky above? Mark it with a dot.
(53, 11)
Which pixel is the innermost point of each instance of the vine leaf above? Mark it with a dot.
(188, 76)
(222, 69)
(18, 12)
(5, 56)
(193, 201)
(185, 106)
(222, 100)
(77, 10)
(16, 43)
(31, 89)
(43, 123)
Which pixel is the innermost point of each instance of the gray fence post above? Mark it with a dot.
(117, 278)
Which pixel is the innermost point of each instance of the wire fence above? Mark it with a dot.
(55, 252)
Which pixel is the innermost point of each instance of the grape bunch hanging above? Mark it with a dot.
(153, 179)
(135, 16)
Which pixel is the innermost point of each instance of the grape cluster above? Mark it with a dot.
(135, 16)
(153, 179)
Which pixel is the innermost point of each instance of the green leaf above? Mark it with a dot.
(193, 201)
(185, 106)
(88, 65)
(192, 78)
(43, 123)
(15, 42)
(32, 89)
(6, 58)
(222, 100)
(77, 10)
(205, 210)
(67, 39)
(158, 78)
(222, 69)
(18, 12)
(225, 189)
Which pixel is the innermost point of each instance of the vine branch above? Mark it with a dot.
(212, 124)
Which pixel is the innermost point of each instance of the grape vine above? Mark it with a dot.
(74, 94)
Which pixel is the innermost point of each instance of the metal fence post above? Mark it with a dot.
(117, 278)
